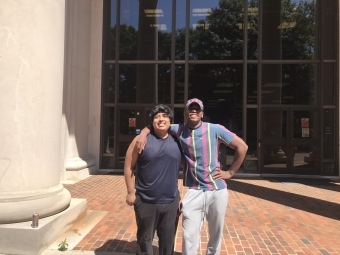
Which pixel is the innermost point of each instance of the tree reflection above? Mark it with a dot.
(219, 36)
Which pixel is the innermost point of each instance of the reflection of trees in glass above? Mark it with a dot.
(164, 78)
(300, 80)
(127, 83)
(226, 21)
(253, 22)
(164, 45)
(298, 29)
(110, 84)
(219, 35)
(128, 42)
(222, 85)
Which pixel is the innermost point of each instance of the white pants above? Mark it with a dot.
(197, 205)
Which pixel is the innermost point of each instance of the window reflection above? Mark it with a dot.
(216, 30)
(253, 21)
(144, 83)
(110, 84)
(108, 138)
(289, 84)
(328, 134)
(220, 89)
(328, 83)
(111, 30)
(289, 28)
(179, 83)
(328, 20)
(251, 160)
(145, 30)
(180, 30)
(252, 84)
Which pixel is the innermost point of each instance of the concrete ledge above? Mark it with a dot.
(22, 239)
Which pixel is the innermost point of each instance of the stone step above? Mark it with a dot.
(79, 230)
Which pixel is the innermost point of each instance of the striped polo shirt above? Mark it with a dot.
(200, 147)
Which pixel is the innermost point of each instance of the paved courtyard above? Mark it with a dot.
(264, 216)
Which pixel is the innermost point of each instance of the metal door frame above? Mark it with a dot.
(290, 140)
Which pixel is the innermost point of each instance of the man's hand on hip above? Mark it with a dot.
(222, 175)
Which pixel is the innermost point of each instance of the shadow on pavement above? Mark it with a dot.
(317, 183)
(300, 202)
(123, 247)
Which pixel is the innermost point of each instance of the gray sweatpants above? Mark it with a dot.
(197, 205)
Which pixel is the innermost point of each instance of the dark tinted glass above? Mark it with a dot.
(144, 83)
(328, 21)
(179, 83)
(109, 85)
(252, 132)
(180, 30)
(289, 29)
(220, 89)
(111, 29)
(289, 84)
(253, 22)
(328, 83)
(108, 129)
(145, 30)
(252, 84)
(216, 29)
(328, 134)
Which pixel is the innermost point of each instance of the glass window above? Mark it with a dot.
(144, 83)
(328, 84)
(178, 115)
(109, 92)
(289, 84)
(251, 159)
(145, 30)
(253, 26)
(108, 129)
(328, 20)
(180, 30)
(220, 89)
(216, 29)
(328, 134)
(252, 133)
(252, 84)
(111, 30)
(289, 29)
(179, 83)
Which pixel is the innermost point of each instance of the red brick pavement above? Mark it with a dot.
(263, 217)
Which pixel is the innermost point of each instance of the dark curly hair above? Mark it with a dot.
(161, 108)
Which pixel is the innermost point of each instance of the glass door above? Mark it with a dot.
(289, 142)
(306, 142)
(131, 120)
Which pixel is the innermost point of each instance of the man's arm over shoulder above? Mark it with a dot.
(141, 138)
(130, 161)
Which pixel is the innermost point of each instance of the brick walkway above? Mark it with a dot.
(264, 216)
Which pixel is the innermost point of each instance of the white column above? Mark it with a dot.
(79, 163)
(31, 89)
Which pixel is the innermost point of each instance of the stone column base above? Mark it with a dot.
(21, 238)
(19, 207)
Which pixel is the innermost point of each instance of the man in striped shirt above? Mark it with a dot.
(207, 196)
